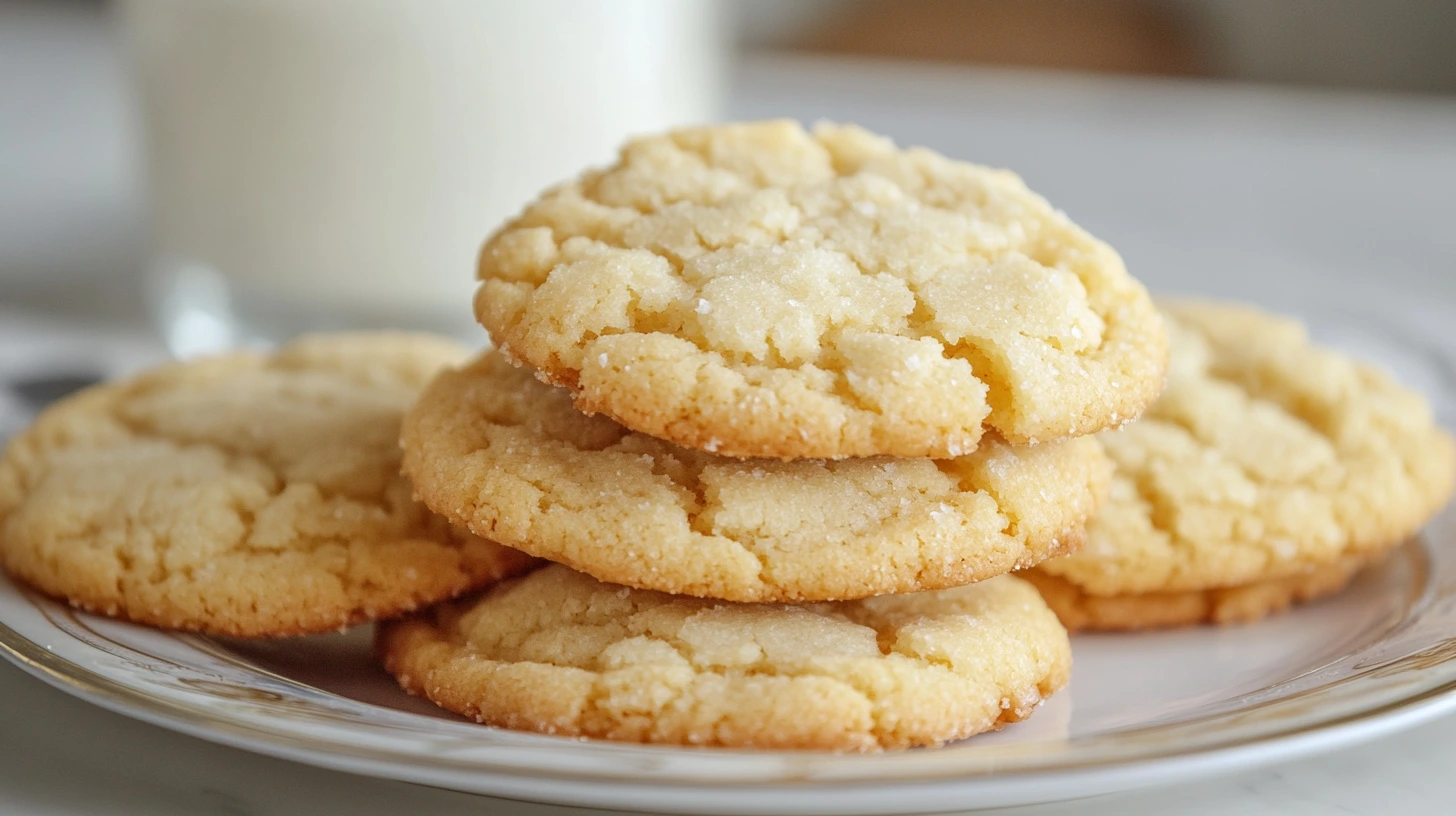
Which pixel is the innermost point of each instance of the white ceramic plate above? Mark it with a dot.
(1141, 709)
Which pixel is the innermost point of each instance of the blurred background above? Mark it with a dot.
(1239, 147)
(1401, 45)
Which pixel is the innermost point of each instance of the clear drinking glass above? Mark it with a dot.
(337, 163)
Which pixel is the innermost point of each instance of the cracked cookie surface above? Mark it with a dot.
(509, 458)
(561, 653)
(1267, 458)
(758, 290)
(244, 495)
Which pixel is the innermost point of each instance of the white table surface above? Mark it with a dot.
(1225, 190)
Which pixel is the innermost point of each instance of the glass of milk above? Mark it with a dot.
(338, 163)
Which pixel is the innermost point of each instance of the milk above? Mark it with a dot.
(320, 163)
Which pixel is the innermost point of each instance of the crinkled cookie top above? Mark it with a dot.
(1265, 457)
(561, 653)
(759, 290)
(242, 495)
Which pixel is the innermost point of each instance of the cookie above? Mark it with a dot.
(1267, 458)
(758, 290)
(510, 459)
(560, 653)
(245, 495)
(1079, 611)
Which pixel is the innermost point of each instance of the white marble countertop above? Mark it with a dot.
(1203, 187)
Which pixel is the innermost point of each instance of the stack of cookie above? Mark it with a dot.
(784, 408)
(754, 386)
